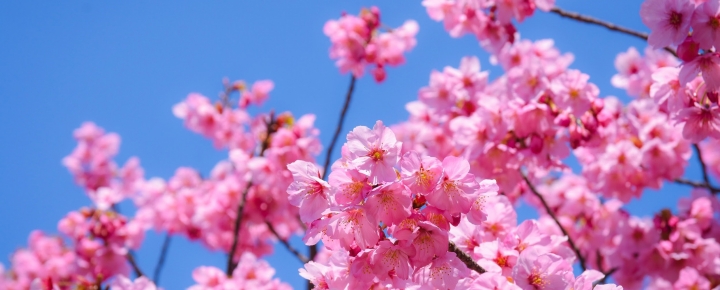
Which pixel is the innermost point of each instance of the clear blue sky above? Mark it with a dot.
(123, 64)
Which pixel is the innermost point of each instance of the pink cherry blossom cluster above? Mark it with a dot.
(93, 168)
(635, 72)
(490, 21)
(657, 76)
(200, 208)
(100, 241)
(640, 148)
(672, 249)
(387, 220)
(694, 27)
(46, 260)
(357, 42)
(251, 273)
(524, 118)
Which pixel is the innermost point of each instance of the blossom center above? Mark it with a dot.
(537, 280)
(376, 155)
(714, 23)
(675, 19)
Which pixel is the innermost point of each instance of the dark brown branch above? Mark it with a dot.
(287, 245)
(550, 212)
(338, 128)
(130, 255)
(131, 259)
(608, 25)
(231, 265)
(607, 275)
(697, 184)
(465, 258)
(313, 250)
(705, 175)
(161, 259)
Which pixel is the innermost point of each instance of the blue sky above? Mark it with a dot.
(124, 64)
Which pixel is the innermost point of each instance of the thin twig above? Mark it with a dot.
(607, 275)
(465, 258)
(705, 175)
(131, 254)
(697, 184)
(338, 128)
(287, 245)
(608, 25)
(131, 259)
(574, 247)
(161, 259)
(231, 265)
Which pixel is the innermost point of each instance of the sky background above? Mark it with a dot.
(124, 64)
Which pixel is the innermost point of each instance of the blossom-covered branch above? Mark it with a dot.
(465, 258)
(550, 212)
(231, 264)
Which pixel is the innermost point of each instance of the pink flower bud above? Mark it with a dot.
(536, 144)
(563, 120)
(379, 73)
(688, 50)
(598, 105)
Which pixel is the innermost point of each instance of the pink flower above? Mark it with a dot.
(573, 91)
(496, 256)
(706, 25)
(308, 191)
(457, 187)
(487, 189)
(709, 65)
(443, 273)
(392, 259)
(668, 20)
(258, 93)
(353, 226)
(586, 279)
(374, 152)
(348, 186)
(690, 279)
(430, 241)
(700, 122)
(389, 203)
(420, 174)
(140, 283)
(541, 271)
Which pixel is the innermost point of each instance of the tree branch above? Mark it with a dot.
(705, 175)
(465, 258)
(287, 245)
(131, 259)
(574, 247)
(338, 128)
(697, 184)
(130, 256)
(608, 25)
(607, 275)
(231, 265)
(161, 259)
(313, 250)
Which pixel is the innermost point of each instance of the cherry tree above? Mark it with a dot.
(429, 203)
